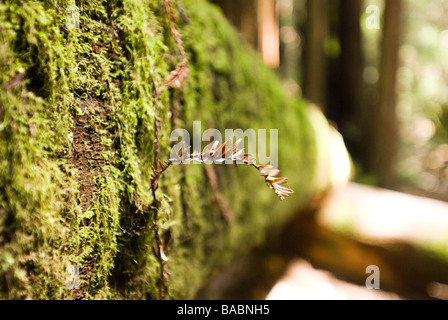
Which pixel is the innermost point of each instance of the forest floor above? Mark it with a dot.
(324, 253)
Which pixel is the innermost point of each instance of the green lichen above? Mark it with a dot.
(121, 53)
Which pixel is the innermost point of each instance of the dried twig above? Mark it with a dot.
(156, 175)
(158, 249)
(229, 152)
(159, 253)
(156, 126)
(177, 77)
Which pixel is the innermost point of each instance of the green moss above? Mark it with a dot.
(99, 82)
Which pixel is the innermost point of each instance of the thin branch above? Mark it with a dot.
(177, 77)
(229, 152)
(158, 250)
(156, 126)
(155, 176)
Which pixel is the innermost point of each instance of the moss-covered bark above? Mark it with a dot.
(77, 111)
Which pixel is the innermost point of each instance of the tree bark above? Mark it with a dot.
(386, 120)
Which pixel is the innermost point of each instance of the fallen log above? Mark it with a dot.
(89, 97)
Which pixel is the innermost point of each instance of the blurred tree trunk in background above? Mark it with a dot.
(268, 37)
(315, 61)
(257, 22)
(349, 87)
(386, 136)
(243, 15)
(342, 53)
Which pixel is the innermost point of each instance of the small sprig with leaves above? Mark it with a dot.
(228, 153)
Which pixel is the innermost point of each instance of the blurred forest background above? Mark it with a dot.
(383, 86)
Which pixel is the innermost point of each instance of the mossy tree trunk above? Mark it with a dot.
(78, 134)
